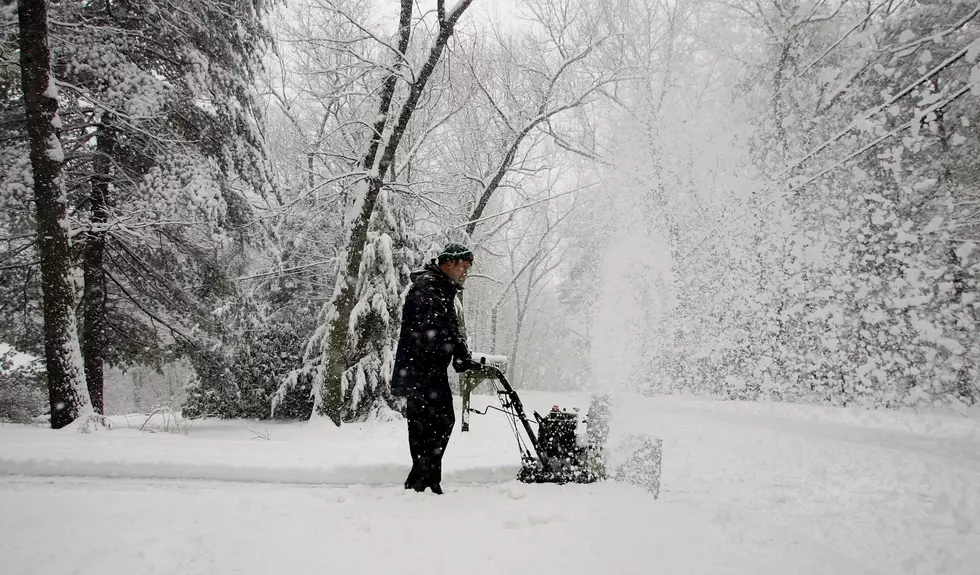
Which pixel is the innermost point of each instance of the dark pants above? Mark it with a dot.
(430, 423)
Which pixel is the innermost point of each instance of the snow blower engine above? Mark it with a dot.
(568, 448)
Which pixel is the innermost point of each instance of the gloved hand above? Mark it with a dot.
(467, 364)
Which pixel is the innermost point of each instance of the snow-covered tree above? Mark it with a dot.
(163, 156)
(401, 89)
(834, 262)
(63, 358)
(389, 257)
(883, 199)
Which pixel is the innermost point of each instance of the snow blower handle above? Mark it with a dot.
(515, 403)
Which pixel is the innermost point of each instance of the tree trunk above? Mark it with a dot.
(493, 330)
(66, 377)
(518, 325)
(94, 308)
(137, 391)
(310, 179)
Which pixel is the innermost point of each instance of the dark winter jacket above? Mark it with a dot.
(430, 337)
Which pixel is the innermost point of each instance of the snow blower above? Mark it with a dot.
(571, 447)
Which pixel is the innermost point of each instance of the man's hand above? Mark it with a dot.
(467, 364)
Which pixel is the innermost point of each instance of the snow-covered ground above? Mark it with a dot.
(747, 488)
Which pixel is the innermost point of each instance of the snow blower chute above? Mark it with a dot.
(570, 447)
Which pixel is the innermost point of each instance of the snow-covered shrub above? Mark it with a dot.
(22, 394)
(240, 379)
(259, 343)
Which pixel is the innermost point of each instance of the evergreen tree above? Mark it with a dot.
(389, 257)
(163, 158)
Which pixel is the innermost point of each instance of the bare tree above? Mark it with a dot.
(534, 256)
(557, 69)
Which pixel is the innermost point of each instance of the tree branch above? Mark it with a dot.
(149, 314)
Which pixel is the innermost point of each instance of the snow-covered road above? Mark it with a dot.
(747, 488)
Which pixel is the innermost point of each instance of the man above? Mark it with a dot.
(429, 341)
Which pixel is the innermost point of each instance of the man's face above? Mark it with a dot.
(457, 270)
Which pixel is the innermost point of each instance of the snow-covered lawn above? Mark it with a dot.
(747, 488)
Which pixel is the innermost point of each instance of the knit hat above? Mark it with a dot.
(454, 251)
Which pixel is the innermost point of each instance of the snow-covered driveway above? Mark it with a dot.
(747, 488)
(150, 526)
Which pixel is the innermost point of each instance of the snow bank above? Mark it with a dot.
(313, 452)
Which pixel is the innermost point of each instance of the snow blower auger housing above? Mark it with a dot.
(567, 448)
(563, 456)
(570, 448)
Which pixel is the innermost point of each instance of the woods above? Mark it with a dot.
(748, 200)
